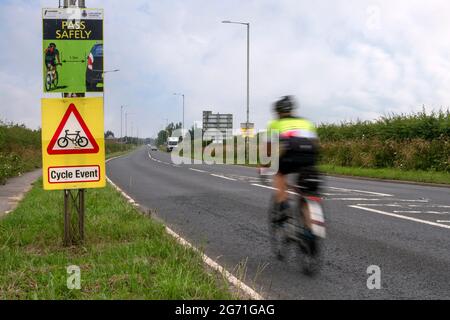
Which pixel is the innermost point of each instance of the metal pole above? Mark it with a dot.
(248, 91)
(69, 201)
(67, 219)
(126, 126)
(81, 213)
(121, 122)
(183, 116)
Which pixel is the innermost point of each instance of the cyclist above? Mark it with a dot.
(51, 55)
(298, 154)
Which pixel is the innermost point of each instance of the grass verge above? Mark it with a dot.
(390, 174)
(126, 255)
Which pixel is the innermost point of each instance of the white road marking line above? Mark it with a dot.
(262, 186)
(352, 199)
(223, 177)
(214, 265)
(443, 221)
(197, 170)
(380, 205)
(211, 263)
(408, 211)
(402, 217)
(360, 191)
(272, 188)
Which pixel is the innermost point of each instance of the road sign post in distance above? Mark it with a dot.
(73, 145)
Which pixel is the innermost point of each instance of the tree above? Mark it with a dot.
(109, 134)
(163, 135)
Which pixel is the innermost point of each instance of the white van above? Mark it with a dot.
(172, 143)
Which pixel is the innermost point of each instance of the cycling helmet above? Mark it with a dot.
(285, 105)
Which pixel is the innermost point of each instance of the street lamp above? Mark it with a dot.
(126, 124)
(121, 122)
(181, 94)
(248, 81)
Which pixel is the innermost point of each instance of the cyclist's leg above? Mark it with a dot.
(280, 185)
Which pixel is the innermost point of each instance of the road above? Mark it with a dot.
(403, 229)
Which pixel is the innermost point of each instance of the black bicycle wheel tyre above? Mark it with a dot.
(55, 81)
(82, 142)
(63, 142)
(278, 239)
(48, 83)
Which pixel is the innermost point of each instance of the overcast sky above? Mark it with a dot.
(343, 59)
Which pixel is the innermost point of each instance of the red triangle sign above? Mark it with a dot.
(72, 135)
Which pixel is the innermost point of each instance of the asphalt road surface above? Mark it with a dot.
(403, 229)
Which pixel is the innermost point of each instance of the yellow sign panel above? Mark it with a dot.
(73, 143)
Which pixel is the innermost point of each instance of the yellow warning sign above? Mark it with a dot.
(73, 144)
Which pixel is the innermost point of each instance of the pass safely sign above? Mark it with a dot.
(73, 144)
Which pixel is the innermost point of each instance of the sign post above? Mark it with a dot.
(73, 147)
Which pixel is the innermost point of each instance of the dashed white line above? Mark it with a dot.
(223, 177)
(361, 191)
(408, 211)
(197, 170)
(262, 186)
(272, 188)
(352, 199)
(443, 221)
(402, 217)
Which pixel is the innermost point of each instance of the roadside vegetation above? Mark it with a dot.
(417, 143)
(20, 150)
(126, 255)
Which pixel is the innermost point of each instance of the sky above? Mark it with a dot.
(343, 59)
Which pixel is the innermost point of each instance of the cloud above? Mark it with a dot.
(343, 59)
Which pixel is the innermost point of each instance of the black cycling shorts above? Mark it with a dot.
(293, 163)
(309, 178)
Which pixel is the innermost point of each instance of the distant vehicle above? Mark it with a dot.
(172, 143)
(153, 148)
(94, 69)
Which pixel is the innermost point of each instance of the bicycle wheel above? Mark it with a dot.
(82, 142)
(48, 83)
(63, 142)
(278, 236)
(310, 251)
(55, 81)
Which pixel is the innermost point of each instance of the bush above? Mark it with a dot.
(414, 154)
(20, 150)
(393, 127)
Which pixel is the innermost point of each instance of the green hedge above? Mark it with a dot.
(435, 125)
(20, 150)
(412, 154)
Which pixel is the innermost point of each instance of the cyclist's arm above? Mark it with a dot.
(57, 57)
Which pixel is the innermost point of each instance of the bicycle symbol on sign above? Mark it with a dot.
(75, 138)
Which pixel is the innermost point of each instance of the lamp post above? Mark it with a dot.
(248, 83)
(126, 125)
(181, 94)
(121, 122)
(103, 76)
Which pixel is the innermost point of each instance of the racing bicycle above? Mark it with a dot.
(288, 231)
